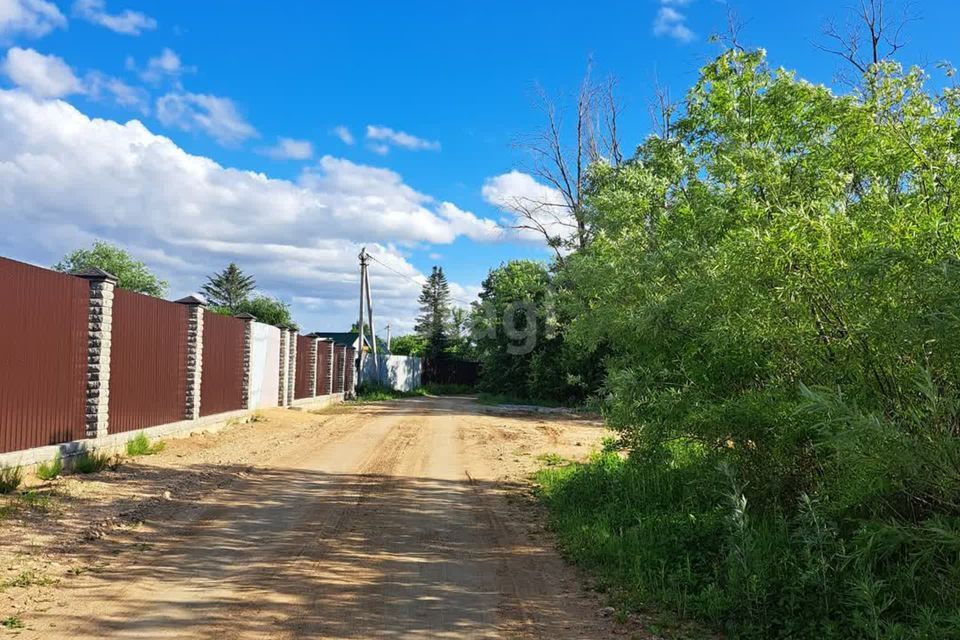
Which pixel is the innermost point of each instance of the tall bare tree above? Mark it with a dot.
(872, 32)
(561, 154)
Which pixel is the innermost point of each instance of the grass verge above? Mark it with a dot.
(140, 445)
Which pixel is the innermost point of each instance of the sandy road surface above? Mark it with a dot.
(397, 520)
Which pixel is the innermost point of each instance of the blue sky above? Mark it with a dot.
(396, 116)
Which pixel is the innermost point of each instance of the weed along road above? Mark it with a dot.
(404, 519)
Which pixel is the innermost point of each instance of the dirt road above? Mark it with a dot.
(397, 520)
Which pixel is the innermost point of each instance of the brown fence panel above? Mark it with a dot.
(148, 362)
(43, 356)
(339, 355)
(221, 378)
(350, 370)
(301, 387)
(323, 368)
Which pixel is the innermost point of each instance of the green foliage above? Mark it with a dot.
(778, 281)
(436, 389)
(433, 323)
(10, 479)
(131, 274)
(11, 622)
(229, 289)
(518, 337)
(265, 309)
(50, 470)
(408, 345)
(140, 445)
(94, 462)
(377, 393)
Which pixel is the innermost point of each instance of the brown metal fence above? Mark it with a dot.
(148, 362)
(323, 368)
(43, 356)
(351, 368)
(339, 355)
(221, 376)
(301, 387)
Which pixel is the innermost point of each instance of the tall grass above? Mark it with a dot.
(679, 534)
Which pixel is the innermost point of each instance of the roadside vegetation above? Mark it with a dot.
(140, 445)
(764, 302)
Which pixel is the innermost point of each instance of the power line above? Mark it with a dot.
(413, 280)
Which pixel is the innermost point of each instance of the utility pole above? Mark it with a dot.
(373, 328)
(363, 280)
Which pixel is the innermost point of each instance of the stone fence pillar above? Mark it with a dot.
(191, 409)
(99, 338)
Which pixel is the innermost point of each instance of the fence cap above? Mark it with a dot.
(192, 300)
(95, 273)
(245, 316)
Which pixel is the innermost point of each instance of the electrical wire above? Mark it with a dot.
(411, 279)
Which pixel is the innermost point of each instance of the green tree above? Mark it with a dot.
(131, 274)
(433, 323)
(264, 308)
(229, 288)
(408, 345)
(777, 278)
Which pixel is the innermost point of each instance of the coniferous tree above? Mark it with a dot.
(433, 324)
(229, 289)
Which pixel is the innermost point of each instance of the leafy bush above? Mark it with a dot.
(368, 392)
(50, 470)
(447, 389)
(10, 479)
(779, 279)
(140, 445)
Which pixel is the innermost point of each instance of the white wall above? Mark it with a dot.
(264, 366)
(398, 372)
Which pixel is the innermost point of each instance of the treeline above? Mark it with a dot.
(767, 310)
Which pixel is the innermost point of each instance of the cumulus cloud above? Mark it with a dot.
(31, 18)
(344, 134)
(131, 23)
(528, 201)
(66, 178)
(42, 75)
(290, 149)
(215, 116)
(670, 22)
(382, 138)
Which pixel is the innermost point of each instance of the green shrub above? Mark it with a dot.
(447, 389)
(371, 392)
(50, 470)
(10, 479)
(95, 461)
(140, 445)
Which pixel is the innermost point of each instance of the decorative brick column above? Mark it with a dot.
(191, 406)
(314, 348)
(99, 337)
(349, 368)
(284, 352)
(341, 371)
(247, 355)
(291, 365)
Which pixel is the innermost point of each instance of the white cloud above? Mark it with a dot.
(672, 23)
(344, 134)
(216, 116)
(385, 137)
(519, 194)
(166, 65)
(32, 18)
(66, 179)
(42, 75)
(131, 23)
(99, 85)
(290, 149)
